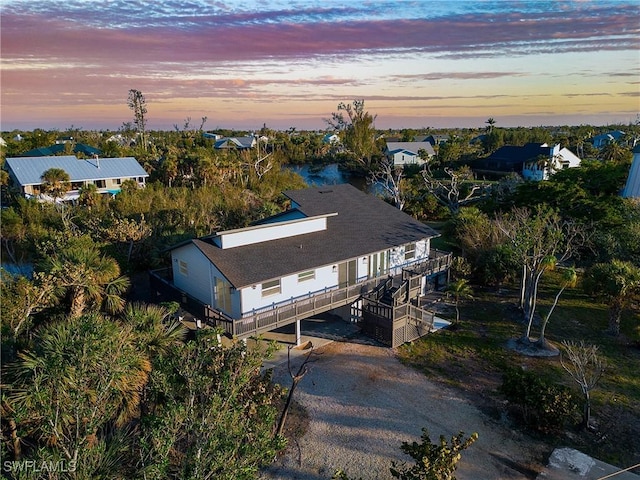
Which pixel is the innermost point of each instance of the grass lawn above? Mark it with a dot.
(474, 355)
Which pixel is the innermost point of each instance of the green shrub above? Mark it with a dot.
(539, 404)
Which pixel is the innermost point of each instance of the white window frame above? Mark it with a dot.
(271, 287)
(183, 267)
(410, 251)
(306, 276)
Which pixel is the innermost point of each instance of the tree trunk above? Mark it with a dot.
(15, 440)
(77, 302)
(586, 417)
(615, 311)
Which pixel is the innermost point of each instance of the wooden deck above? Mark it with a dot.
(276, 316)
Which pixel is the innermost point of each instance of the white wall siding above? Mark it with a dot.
(290, 288)
(270, 231)
(197, 281)
(397, 255)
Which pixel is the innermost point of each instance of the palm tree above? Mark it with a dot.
(460, 289)
(55, 182)
(156, 333)
(89, 195)
(490, 123)
(616, 283)
(82, 375)
(86, 275)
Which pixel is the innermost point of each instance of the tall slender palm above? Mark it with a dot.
(569, 279)
(88, 277)
(460, 289)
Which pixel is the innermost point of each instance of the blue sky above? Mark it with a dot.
(288, 64)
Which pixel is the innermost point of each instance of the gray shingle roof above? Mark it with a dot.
(364, 224)
(28, 170)
(413, 147)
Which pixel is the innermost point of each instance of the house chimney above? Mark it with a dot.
(97, 160)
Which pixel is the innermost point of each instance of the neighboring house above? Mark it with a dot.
(106, 173)
(3, 143)
(331, 139)
(559, 159)
(603, 139)
(534, 161)
(236, 143)
(632, 187)
(60, 147)
(435, 139)
(408, 153)
(332, 246)
(212, 136)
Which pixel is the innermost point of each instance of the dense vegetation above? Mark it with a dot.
(115, 388)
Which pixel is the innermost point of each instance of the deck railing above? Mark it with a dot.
(289, 311)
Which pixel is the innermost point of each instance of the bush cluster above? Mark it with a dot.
(537, 403)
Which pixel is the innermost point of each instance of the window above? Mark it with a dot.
(410, 251)
(270, 288)
(100, 183)
(304, 276)
(184, 268)
(118, 181)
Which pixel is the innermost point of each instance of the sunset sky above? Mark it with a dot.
(286, 64)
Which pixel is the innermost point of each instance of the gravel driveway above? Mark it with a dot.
(363, 403)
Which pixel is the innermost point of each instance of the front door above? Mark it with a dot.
(347, 273)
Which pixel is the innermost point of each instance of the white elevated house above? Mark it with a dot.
(552, 160)
(106, 173)
(333, 246)
(408, 153)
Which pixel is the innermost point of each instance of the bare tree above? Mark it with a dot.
(455, 191)
(586, 368)
(391, 179)
(302, 371)
(540, 240)
(569, 279)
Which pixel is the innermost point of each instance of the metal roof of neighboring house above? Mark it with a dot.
(235, 142)
(364, 224)
(510, 154)
(413, 147)
(29, 170)
(60, 147)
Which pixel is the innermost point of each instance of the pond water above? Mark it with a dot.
(24, 269)
(329, 175)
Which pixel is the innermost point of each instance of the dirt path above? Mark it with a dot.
(363, 403)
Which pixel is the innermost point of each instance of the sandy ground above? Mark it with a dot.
(363, 403)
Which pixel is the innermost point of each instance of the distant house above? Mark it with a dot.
(330, 139)
(603, 139)
(534, 161)
(60, 147)
(632, 186)
(559, 159)
(236, 143)
(106, 173)
(435, 139)
(212, 136)
(408, 153)
(336, 246)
